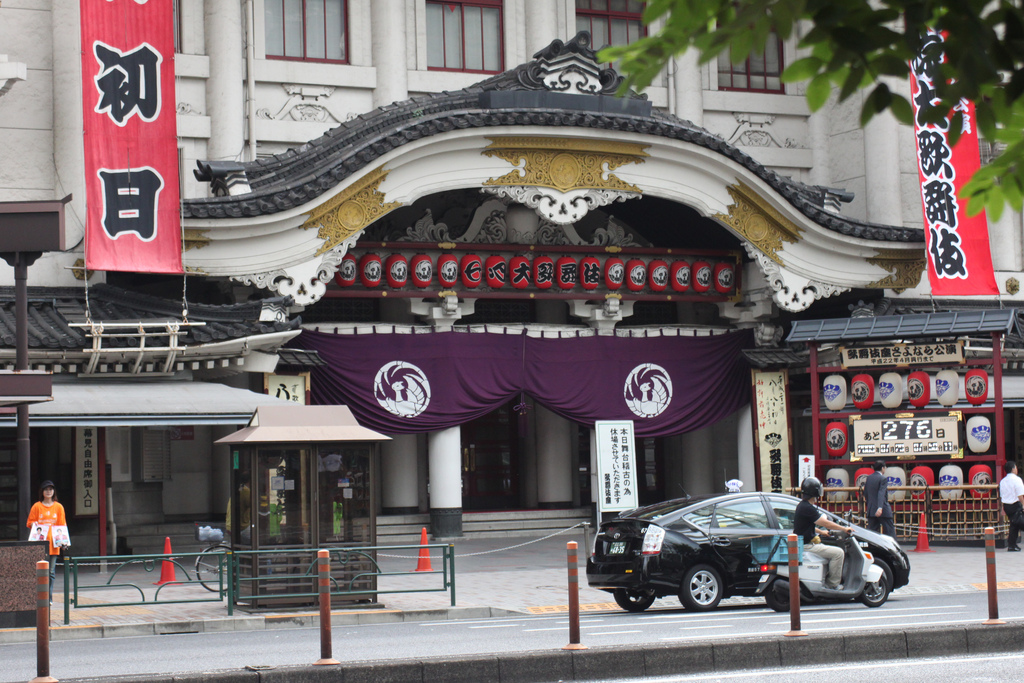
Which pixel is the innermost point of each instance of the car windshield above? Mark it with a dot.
(658, 510)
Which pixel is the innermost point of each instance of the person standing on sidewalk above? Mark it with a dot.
(1011, 491)
(879, 512)
(48, 513)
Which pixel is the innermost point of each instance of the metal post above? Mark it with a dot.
(22, 444)
(990, 566)
(323, 570)
(794, 589)
(42, 623)
(574, 599)
(451, 558)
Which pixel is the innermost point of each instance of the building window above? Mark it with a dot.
(464, 36)
(610, 22)
(760, 72)
(311, 30)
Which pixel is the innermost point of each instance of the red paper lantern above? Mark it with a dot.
(836, 439)
(976, 386)
(919, 390)
(922, 475)
(862, 391)
(447, 270)
(657, 275)
(725, 277)
(679, 275)
(590, 272)
(496, 271)
(347, 271)
(472, 268)
(566, 272)
(370, 270)
(396, 271)
(614, 273)
(636, 274)
(861, 475)
(421, 270)
(520, 272)
(543, 272)
(703, 276)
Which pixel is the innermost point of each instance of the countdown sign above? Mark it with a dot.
(905, 438)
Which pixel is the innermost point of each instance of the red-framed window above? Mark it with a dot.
(610, 22)
(309, 30)
(760, 72)
(465, 36)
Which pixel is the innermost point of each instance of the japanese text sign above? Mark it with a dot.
(131, 145)
(771, 429)
(616, 465)
(86, 472)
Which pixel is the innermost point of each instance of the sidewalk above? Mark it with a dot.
(493, 577)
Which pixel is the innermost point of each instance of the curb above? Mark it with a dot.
(611, 662)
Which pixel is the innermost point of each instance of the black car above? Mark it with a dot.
(706, 548)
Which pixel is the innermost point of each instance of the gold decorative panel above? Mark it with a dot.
(906, 268)
(194, 239)
(350, 211)
(758, 222)
(564, 164)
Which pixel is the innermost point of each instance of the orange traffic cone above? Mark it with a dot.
(922, 538)
(167, 567)
(424, 562)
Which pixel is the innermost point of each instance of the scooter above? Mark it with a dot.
(862, 579)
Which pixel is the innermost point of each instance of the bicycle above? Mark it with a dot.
(209, 566)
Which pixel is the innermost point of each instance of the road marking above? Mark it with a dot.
(496, 626)
(612, 633)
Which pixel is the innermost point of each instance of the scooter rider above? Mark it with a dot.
(804, 524)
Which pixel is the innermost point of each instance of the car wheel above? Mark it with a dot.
(875, 594)
(775, 601)
(702, 589)
(633, 601)
(887, 571)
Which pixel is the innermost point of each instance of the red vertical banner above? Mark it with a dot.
(131, 140)
(959, 257)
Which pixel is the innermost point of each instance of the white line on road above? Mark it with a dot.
(495, 626)
(612, 633)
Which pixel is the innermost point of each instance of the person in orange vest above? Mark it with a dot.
(48, 513)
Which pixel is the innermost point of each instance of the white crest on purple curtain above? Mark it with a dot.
(402, 389)
(648, 390)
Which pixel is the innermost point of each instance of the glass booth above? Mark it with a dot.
(303, 479)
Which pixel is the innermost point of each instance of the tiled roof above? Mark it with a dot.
(302, 174)
(50, 310)
(917, 325)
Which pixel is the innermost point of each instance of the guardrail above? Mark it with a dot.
(256, 578)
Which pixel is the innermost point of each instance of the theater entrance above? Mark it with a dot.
(490, 461)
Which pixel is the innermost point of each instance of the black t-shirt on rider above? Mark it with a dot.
(803, 521)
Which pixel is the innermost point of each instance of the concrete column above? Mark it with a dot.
(68, 151)
(817, 128)
(698, 450)
(554, 460)
(399, 475)
(446, 482)
(528, 459)
(882, 170)
(541, 25)
(387, 28)
(225, 92)
(689, 88)
(745, 449)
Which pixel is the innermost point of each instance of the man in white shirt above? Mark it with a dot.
(1011, 491)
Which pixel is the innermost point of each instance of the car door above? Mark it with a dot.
(737, 526)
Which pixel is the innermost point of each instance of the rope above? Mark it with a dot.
(495, 550)
(944, 532)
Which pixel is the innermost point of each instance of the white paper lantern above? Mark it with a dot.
(834, 390)
(890, 390)
(951, 475)
(947, 387)
(897, 476)
(837, 477)
(979, 434)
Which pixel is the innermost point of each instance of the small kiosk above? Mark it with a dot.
(303, 478)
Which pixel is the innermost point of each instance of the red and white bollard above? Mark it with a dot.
(990, 567)
(323, 572)
(794, 588)
(574, 599)
(43, 624)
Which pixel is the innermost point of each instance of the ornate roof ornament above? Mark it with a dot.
(570, 68)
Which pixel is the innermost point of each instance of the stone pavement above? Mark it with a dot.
(494, 576)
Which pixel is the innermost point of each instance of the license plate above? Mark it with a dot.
(618, 547)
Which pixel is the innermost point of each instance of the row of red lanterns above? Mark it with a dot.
(543, 272)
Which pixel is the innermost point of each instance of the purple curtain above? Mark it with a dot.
(411, 383)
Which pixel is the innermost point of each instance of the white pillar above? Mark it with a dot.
(446, 482)
(817, 128)
(399, 475)
(225, 91)
(387, 28)
(689, 88)
(68, 151)
(698, 448)
(882, 170)
(554, 461)
(745, 449)
(541, 25)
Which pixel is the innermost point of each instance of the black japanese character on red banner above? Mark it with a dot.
(521, 274)
(130, 202)
(947, 253)
(568, 272)
(129, 82)
(545, 273)
(591, 273)
(935, 154)
(498, 272)
(940, 204)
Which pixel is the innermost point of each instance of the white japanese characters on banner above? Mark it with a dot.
(771, 430)
(130, 136)
(86, 474)
(616, 465)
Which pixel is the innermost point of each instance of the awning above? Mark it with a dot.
(144, 403)
(894, 327)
